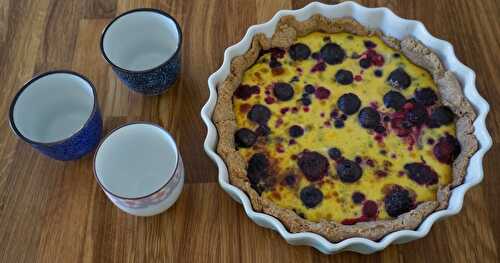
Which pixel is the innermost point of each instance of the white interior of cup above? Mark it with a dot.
(140, 40)
(53, 107)
(136, 160)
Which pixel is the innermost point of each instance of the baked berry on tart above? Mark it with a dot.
(339, 130)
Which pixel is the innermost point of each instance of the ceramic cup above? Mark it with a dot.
(143, 47)
(58, 114)
(140, 169)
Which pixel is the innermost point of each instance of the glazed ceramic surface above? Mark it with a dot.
(140, 169)
(392, 25)
(58, 114)
(143, 48)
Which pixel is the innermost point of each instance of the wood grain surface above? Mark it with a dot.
(53, 211)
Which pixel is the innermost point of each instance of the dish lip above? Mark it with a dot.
(414, 28)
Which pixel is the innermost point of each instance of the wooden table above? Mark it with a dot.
(53, 211)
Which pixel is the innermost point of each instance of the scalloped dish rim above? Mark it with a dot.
(381, 17)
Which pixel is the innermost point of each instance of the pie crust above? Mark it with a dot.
(287, 31)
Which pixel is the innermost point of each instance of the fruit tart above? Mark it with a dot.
(337, 129)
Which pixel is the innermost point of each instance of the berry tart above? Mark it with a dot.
(336, 129)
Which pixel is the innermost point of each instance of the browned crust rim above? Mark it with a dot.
(287, 31)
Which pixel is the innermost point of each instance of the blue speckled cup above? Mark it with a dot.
(143, 46)
(58, 114)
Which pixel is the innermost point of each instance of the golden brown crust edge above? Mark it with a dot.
(287, 30)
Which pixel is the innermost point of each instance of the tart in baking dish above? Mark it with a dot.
(340, 130)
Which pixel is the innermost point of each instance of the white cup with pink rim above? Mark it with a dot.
(140, 169)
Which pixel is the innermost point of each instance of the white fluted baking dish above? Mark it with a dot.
(391, 25)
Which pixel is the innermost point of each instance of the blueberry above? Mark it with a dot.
(305, 101)
(369, 44)
(344, 77)
(406, 124)
(257, 168)
(379, 129)
(311, 196)
(289, 180)
(369, 118)
(244, 138)
(334, 114)
(283, 91)
(338, 124)
(258, 163)
(335, 153)
(399, 79)
(426, 96)
(417, 116)
(365, 63)
(348, 171)
(299, 51)
(309, 89)
(313, 165)
(332, 53)
(442, 115)
(398, 202)
(263, 130)
(378, 73)
(447, 149)
(245, 91)
(349, 103)
(274, 63)
(295, 131)
(259, 114)
(394, 100)
(358, 197)
(316, 55)
(421, 173)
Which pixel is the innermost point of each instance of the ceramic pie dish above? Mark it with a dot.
(371, 18)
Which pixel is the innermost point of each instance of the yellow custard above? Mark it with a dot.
(381, 156)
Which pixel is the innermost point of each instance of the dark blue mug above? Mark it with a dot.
(143, 47)
(58, 114)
